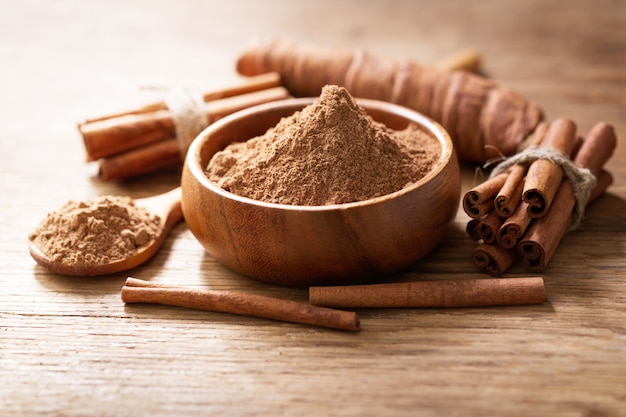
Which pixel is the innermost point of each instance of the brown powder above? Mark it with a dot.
(330, 152)
(96, 231)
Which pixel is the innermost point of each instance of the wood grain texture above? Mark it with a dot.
(69, 346)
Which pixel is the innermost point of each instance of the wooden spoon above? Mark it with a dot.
(167, 206)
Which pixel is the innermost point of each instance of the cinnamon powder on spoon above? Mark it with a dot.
(330, 152)
(96, 231)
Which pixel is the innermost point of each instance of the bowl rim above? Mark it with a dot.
(192, 159)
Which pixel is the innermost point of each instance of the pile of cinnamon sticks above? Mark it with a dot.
(524, 211)
(143, 140)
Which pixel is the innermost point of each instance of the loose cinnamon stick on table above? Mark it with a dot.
(140, 291)
(439, 293)
(116, 133)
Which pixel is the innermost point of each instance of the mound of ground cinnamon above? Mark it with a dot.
(330, 152)
(96, 231)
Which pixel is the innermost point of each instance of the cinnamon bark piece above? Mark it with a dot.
(494, 259)
(488, 226)
(437, 294)
(513, 228)
(139, 291)
(510, 195)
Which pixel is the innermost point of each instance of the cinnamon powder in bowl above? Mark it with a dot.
(331, 152)
(321, 191)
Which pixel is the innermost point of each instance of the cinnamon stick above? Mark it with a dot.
(513, 228)
(597, 148)
(544, 176)
(493, 259)
(140, 291)
(471, 228)
(140, 161)
(439, 293)
(488, 226)
(510, 195)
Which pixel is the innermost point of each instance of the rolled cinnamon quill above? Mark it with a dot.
(510, 195)
(494, 259)
(544, 176)
(513, 228)
(440, 293)
(488, 226)
(472, 229)
(139, 161)
(140, 291)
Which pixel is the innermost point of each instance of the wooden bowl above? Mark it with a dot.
(300, 246)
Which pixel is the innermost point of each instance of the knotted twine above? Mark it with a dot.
(583, 181)
(187, 110)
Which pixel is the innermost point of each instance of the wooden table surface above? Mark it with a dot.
(70, 347)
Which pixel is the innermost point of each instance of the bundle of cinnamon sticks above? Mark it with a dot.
(524, 211)
(143, 140)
